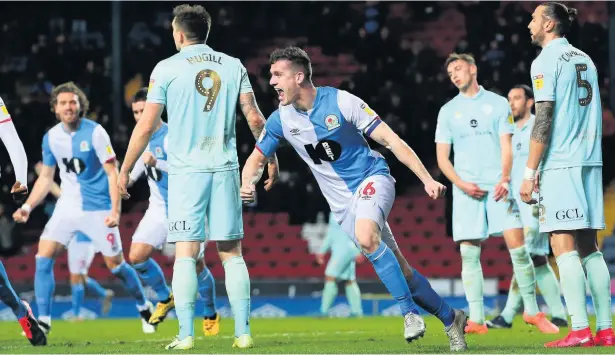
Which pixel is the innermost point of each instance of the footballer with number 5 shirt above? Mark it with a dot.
(566, 145)
(90, 200)
(326, 127)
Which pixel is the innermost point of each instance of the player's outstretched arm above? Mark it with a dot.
(39, 192)
(256, 121)
(541, 134)
(251, 174)
(385, 136)
(55, 189)
(16, 150)
(18, 156)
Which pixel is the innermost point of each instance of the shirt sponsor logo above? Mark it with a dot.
(572, 214)
(179, 226)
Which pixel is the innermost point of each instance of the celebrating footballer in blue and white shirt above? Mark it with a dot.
(326, 127)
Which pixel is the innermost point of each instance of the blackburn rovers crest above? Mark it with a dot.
(332, 122)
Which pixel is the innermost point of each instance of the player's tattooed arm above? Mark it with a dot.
(256, 121)
(541, 133)
(254, 116)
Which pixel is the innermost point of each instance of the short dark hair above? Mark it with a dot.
(529, 93)
(296, 56)
(194, 21)
(466, 57)
(70, 87)
(140, 95)
(564, 16)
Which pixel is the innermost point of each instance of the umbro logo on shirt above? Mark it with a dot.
(295, 131)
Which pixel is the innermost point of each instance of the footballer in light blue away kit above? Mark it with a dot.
(566, 148)
(200, 88)
(478, 125)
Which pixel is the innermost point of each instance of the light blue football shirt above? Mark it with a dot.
(521, 150)
(200, 88)
(568, 76)
(473, 126)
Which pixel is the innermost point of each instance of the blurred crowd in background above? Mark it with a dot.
(390, 54)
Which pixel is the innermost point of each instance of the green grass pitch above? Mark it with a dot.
(373, 335)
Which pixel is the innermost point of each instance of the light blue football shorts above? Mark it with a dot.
(571, 199)
(478, 219)
(193, 197)
(536, 243)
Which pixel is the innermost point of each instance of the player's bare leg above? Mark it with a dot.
(77, 285)
(207, 291)
(523, 269)
(367, 233)
(185, 288)
(473, 281)
(237, 282)
(130, 280)
(455, 321)
(150, 272)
